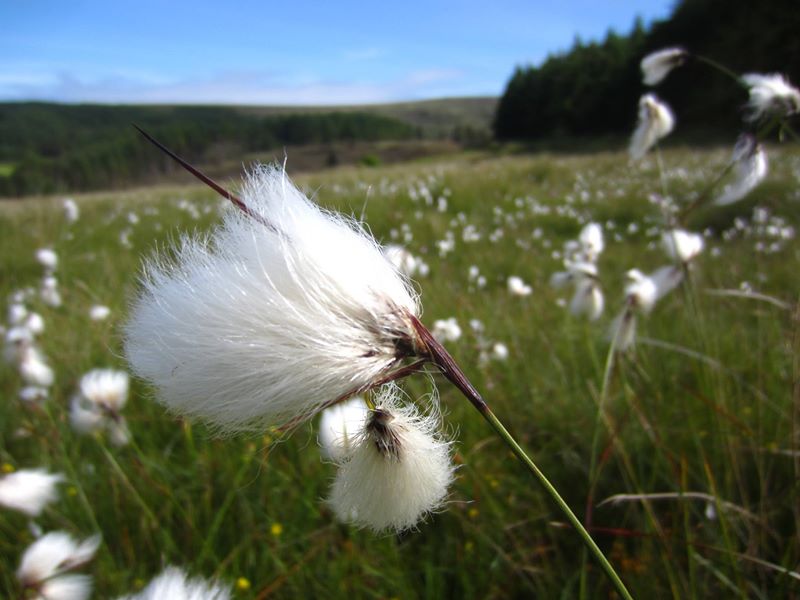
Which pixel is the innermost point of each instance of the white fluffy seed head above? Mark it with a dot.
(34, 369)
(99, 312)
(174, 584)
(399, 471)
(682, 246)
(107, 388)
(446, 330)
(518, 287)
(591, 241)
(47, 258)
(657, 65)
(401, 258)
(588, 299)
(655, 122)
(339, 427)
(263, 323)
(29, 490)
(54, 553)
(65, 587)
(666, 279)
(770, 95)
(641, 290)
(749, 169)
(71, 211)
(623, 330)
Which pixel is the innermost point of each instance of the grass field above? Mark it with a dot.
(703, 410)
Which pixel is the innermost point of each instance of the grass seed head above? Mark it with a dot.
(281, 309)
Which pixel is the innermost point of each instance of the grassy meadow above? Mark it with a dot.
(702, 412)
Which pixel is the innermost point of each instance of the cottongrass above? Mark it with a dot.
(99, 312)
(399, 471)
(29, 490)
(339, 426)
(45, 565)
(657, 65)
(770, 95)
(655, 122)
(282, 309)
(749, 169)
(174, 584)
(97, 406)
(517, 287)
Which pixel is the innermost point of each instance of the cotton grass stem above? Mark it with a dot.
(495, 423)
(438, 355)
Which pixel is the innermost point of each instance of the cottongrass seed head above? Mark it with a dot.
(101, 396)
(270, 316)
(770, 95)
(399, 471)
(339, 428)
(46, 563)
(749, 169)
(657, 65)
(29, 490)
(174, 584)
(655, 122)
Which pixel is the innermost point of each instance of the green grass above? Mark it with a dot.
(705, 404)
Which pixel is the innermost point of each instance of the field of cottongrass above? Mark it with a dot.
(680, 453)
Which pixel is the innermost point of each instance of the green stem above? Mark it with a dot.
(720, 67)
(438, 355)
(587, 539)
(609, 368)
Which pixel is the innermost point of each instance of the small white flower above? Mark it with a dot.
(174, 584)
(281, 309)
(657, 65)
(71, 212)
(29, 490)
(770, 95)
(518, 287)
(339, 426)
(45, 563)
(655, 122)
(98, 312)
(749, 167)
(399, 471)
(47, 258)
(446, 330)
(681, 245)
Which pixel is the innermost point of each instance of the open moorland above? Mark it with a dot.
(680, 453)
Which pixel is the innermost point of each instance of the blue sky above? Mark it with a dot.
(287, 52)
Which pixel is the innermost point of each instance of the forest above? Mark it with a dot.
(593, 89)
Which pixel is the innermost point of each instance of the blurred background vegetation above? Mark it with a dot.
(586, 96)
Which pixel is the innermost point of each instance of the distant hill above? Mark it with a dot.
(49, 147)
(436, 118)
